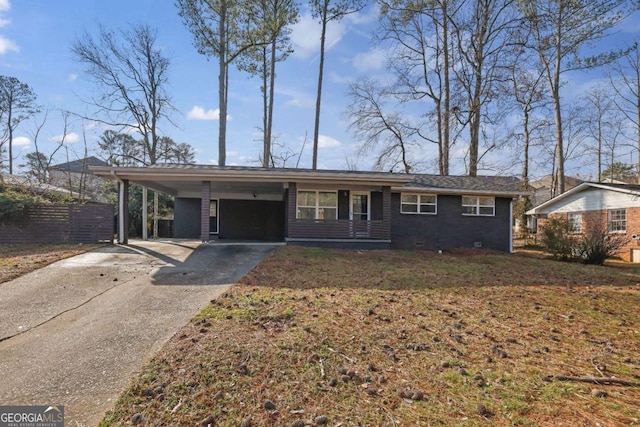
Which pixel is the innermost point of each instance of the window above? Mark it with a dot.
(574, 222)
(618, 221)
(419, 204)
(482, 206)
(317, 205)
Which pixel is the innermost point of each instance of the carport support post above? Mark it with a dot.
(123, 212)
(205, 211)
(145, 214)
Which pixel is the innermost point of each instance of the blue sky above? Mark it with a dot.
(35, 41)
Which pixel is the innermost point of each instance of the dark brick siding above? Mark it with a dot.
(449, 229)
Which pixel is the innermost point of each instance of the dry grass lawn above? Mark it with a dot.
(391, 338)
(19, 259)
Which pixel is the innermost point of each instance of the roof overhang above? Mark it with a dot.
(182, 180)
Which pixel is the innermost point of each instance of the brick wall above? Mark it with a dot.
(589, 217)
(449, 229)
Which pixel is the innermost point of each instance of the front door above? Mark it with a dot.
(360, 213)
(213, 217)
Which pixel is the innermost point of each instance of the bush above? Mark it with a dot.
(556, 239)
(597, 244)
(14, 201)
(594, 246)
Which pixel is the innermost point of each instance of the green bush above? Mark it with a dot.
(556, 239)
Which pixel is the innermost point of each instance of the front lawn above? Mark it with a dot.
(390, 338)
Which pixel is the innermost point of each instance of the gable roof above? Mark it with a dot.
(633, 189)
(173, 178)
(80, 165)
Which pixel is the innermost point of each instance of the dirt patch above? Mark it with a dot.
(19, 259)
(390, 338)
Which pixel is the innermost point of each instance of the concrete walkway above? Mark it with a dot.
(74, 333)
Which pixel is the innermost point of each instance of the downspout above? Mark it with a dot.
(511, 226)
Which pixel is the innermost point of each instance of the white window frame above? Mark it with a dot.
(574, 222)
(477, 206)
(619, 221)
(419, 203)
(317, 206)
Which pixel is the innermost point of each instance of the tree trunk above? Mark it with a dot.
(222, 89)
(316, 129)
(527, 140)
(10, 128)
(444, 161)
(272, 84)
(266, 137)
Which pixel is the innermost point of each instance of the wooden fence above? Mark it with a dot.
(91, 223)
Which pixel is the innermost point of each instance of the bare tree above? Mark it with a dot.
(275, 16)
(599, 122)
(388, 131)
(131, 73)
(529, 97)
(625, 81)
(223, 29)
(482, 33)
(327, 11)
(560, 29)
(421, 62)
(17, 103)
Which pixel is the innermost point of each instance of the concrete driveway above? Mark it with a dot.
(74, 333)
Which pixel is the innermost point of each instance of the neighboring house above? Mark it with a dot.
(616, 205)
(35, 186)
(542, 189)
(76, 177)
(330, 208)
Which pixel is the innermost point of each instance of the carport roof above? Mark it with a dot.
(174, 179)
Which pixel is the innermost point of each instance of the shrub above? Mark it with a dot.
(597, 244)
(594, 246)
(556, 239)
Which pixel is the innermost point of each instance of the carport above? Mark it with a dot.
(241, 205)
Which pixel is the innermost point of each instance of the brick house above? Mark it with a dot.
(350, 209)
(616, 206)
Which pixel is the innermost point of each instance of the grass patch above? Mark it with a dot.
(400, 338)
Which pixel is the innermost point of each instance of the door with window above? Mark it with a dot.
(360, 213)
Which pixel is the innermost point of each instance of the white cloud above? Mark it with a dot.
(21, 141)
(199, 113)
(69, 138)
(374, 59)
(5, 5)
(305, 36)
(7, 45)
(327, 142)
(72, 77)
(297, 98)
